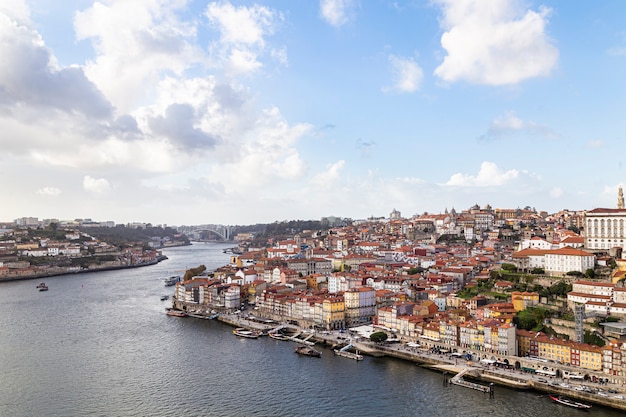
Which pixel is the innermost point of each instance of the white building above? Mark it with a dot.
(605, 229)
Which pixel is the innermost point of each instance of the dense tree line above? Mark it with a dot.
(121, 235)
(291, 227)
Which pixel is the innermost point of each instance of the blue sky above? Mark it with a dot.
(236, 112)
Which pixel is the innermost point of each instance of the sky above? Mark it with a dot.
(186, 112)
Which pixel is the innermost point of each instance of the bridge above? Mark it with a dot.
(204, 232)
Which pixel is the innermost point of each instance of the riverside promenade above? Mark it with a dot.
(511, 378)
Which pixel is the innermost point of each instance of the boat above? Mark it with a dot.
(243, 332)
(308, 351)
(176, 313)
(172, 280)
(278, 336)
(164, 297)
(569, 402)
(41, 285)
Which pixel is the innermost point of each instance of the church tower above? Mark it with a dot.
(620, 198)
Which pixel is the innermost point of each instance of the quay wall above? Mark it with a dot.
(437, 364)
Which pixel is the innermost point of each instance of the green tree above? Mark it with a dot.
(590, 273)
(509, 267)
(190, 273)
(593, 339)
(378, 337)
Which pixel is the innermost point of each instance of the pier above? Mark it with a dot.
(347, 354)
(458, 380)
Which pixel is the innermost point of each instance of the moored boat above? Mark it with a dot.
(176, 313)
(278, 336)
(569, 402)
(42, 287)
(243, 332)
(308, 351)
(172, 280)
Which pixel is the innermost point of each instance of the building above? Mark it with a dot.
(605, 229)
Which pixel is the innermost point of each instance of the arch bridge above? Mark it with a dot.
(203, 233)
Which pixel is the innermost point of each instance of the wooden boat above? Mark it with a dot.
(176, 313)
(569, 402)
(42, 287)
(278, 336)
(243, 332)
(308, 351)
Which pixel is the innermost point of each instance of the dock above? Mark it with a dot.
(347, 354)
(458, 380)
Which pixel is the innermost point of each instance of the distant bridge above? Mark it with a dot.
(203, 232)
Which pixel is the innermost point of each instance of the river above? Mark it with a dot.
(100, 344)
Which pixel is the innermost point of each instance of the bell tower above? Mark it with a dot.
(620, 198)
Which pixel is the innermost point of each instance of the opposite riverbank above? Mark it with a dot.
(66, 271)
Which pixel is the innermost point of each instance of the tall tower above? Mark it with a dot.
(620, 198)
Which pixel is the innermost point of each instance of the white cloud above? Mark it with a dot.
(145, 36)
(494, 42)
(326, 179)
(509, 124)
(488, 175)
(242, 34)
(410, 180)
(32, 78)
(556, 192)
(264, 154)
(336, 12)
(16, 10)
(95, 185)
(52, 191)
(595, 144)
(407, 75)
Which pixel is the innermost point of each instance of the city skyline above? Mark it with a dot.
(253, 112)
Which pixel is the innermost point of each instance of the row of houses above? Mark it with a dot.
(599, 298)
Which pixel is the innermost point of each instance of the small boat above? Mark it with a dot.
(164, 297)
(176, 313)
(569, 402)
(278, 336)
(243, 332)
(308, 351)
(172, 280)
(41, 285)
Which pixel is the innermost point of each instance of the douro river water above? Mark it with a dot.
(100, 344)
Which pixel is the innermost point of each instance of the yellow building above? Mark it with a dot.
(522, 300)
(333, 312)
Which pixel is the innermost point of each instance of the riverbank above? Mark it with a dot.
(510, 378)
(59, 272)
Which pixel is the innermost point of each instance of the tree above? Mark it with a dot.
(194, 272)
(378, 337)
(509, 267)
(590, 273)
